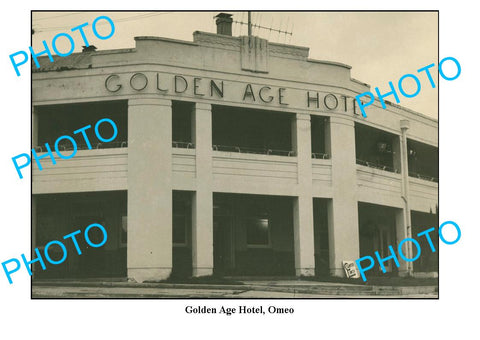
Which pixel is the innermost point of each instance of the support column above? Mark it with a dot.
(202, 214)
(303, 204)
(34, 126)
(149, 245)
(401, 229)
(34, 232)
(406, 227)
(343, 233)
(34, 198)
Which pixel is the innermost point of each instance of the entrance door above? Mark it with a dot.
(223, 246)
(92, 262)
(383, 239)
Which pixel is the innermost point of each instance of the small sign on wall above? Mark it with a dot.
(351, 269)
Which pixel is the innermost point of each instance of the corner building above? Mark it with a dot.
(235, 156)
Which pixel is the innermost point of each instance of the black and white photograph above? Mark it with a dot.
(223, 170)
(235, 164)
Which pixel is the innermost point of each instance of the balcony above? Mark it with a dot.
(377, 166)
(99, 169)
(423, 194)
(183, 145)
(69, 147)
(423, 177)
(254, 171)
(378, 185)
(256, 151)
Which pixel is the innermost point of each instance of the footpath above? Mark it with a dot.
(238, 289)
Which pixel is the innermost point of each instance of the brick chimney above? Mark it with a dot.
(224, 23)
(90, 48)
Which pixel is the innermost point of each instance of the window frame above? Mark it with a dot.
(269, 234)
(123, 244)
(185, 227)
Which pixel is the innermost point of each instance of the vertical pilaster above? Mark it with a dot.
(303, 204)
(401, 233)
(343, 233)
(34, 231)
(406, 227)
(34, 198)
(34, 127)
(149, 252)
(202, 221)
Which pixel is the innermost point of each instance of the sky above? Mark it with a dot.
(380, 46)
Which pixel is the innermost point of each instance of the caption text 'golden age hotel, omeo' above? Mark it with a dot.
(235, 156)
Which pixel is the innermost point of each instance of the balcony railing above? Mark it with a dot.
(377, 166)
(258, 151)
(424, 177)
(318, 155)
(184, 145)
(69, 146)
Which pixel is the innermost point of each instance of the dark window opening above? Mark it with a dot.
(319, 135)
(422, 161)
(182, 114)
(378, 231)
(253, 235)
(251, 131)
(182, 233)
(124, 232)
(55, 121)
(320, 228)
(375, 148)
(182, 217)
(428, 260)
(258, 231)
(58, 215)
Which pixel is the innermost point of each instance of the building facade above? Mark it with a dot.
(234, 156)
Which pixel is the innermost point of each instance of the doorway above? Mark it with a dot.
(253, 235)
(223, 246)
(377, 231)
(383, 237)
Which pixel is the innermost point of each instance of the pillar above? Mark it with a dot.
(34, 197)
(343, 233)
(34, 233)
(401, 233)
(202, 215)
(149, 245)
(303, 204)
(404, 230)
(35, 119)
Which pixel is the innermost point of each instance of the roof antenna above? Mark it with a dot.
(260, 27)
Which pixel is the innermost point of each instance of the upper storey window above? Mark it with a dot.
(53, 121)
(245, 130)
(376, 148)
(422, 161)
(182, 115)
(319, 125)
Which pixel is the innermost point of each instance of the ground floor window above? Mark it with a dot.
(253, 235)
(182, 233)
(428, 261)
(258, 231)
(60, 214)
(320, 228)
(377, 231)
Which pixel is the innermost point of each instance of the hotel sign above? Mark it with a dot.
(181, 85)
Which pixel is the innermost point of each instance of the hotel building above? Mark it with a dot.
(235, 156)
